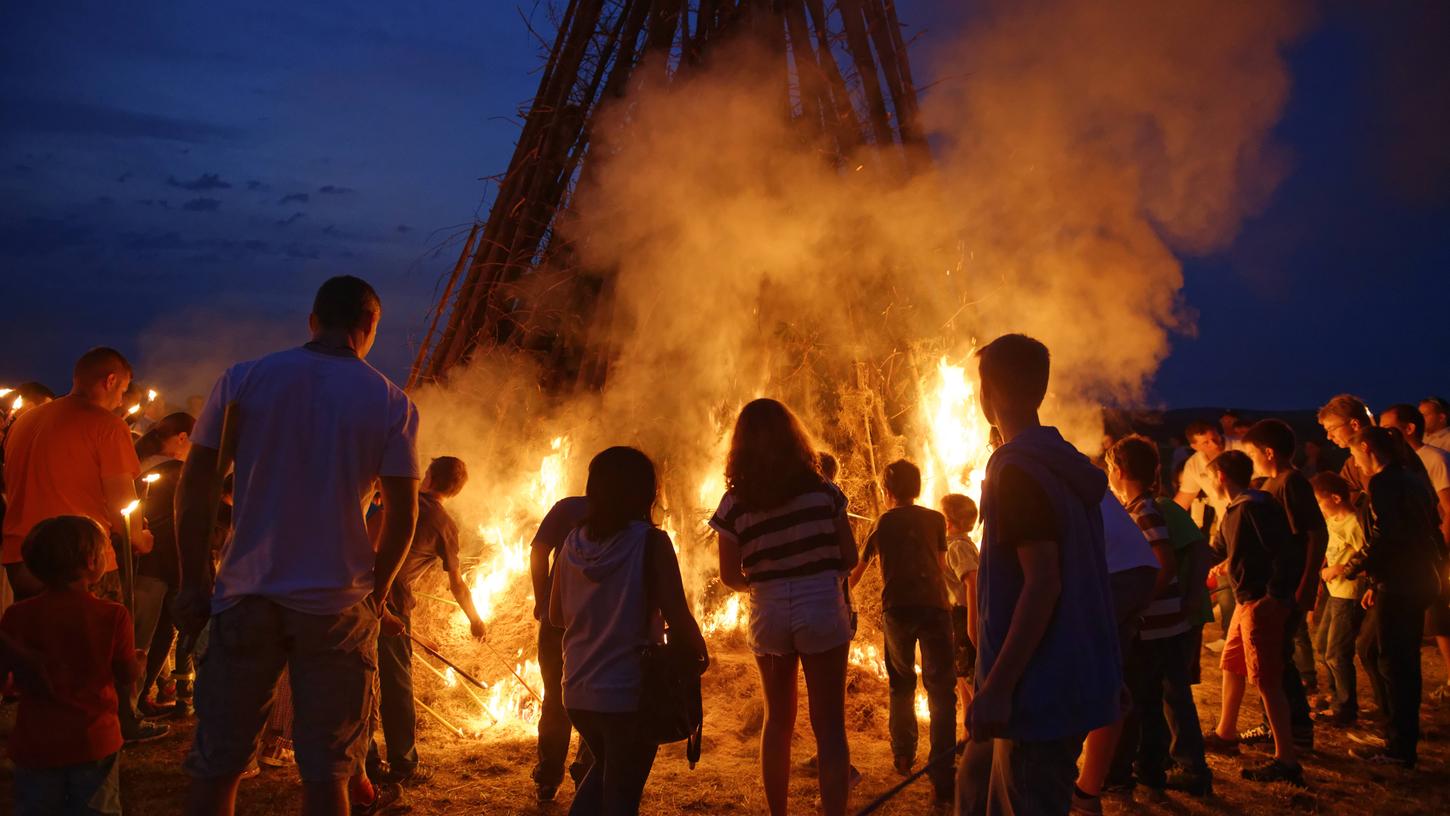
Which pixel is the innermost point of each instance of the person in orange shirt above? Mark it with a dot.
(73, 457)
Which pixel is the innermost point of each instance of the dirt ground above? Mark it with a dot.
(490, 775)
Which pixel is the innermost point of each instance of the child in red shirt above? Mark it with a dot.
(67, 736)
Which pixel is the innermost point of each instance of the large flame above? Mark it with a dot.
(957, 445)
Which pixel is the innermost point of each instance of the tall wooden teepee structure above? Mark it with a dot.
(847, 81)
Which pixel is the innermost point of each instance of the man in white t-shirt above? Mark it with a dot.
(1436, 413)
(310, 431)
(1208, 443)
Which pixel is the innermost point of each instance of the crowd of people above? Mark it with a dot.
(266, 587)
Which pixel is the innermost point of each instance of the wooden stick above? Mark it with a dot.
(444, 720)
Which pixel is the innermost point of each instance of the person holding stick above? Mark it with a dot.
(309, 430)
(434, 540)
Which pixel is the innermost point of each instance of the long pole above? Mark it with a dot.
(470, 678)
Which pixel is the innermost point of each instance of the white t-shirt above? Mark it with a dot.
(1440, 439)
(314, 430)
(1437, 464)
(1198, 477)
(1123, 541)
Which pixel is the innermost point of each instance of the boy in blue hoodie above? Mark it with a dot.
(1048, 663)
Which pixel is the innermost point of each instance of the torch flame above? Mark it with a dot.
(134, 408)
(151, 478)
(151, 395)
(19, 401)
(130, 508)
(4, 391)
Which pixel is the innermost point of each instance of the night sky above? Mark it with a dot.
(177, 177)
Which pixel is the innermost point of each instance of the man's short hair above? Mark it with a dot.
(1136, 457)
(1347, 407)
(1236, 466)
(447, 475)
(1199, 427)
(342, 302)
(1440, 404)
(59, 550)
(902, 480)
(1329, 483)
(1407, 414)
(99, 363)
(1274, 435)
(1018, 368)
(960, 510)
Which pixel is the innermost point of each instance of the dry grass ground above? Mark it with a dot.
(491, 775)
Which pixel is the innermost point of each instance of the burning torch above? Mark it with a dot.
(128, 559)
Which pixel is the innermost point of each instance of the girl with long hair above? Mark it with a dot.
(614, 579)
(784, 539)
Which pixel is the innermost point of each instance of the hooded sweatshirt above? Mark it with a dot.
(1070, 685)
(601, 592)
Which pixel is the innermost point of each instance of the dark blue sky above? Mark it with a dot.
(177, 177)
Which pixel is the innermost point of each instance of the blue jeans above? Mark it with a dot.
(904, 628)
(396, 711)
(73, 790)
(623, 757)
(1338, 628)
(1018, 778)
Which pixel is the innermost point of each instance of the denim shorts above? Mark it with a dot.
(806, 615)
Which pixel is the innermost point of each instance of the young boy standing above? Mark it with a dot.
(962, 560)
(912, 543)
(67, 742)
(1270, 445)
(1264, 566)
(1342, 614)
(1048, 668)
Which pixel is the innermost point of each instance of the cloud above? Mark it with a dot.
(300, 198)
(202, 205)
(332, 189)
(35, 236)
(206, 181)
(83, 118)
(291, 218)
(255, 186)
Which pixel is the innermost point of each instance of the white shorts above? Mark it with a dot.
(799, 615)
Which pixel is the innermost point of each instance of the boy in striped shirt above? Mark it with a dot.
(1157, 674)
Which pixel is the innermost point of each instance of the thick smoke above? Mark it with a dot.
(1078, 146)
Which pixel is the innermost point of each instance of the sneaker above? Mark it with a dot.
(147, 732)
(1441, 694)
(252, 770)
(151, 711)
(1276, 771)
(420, 775)
(1214, 744)
(1379, 756)
(547, 792)
(165, 692)
(903, 766)
(385, 797)
(1193, 783)
(1258, 735)
(1084, 805)
(853, 777)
